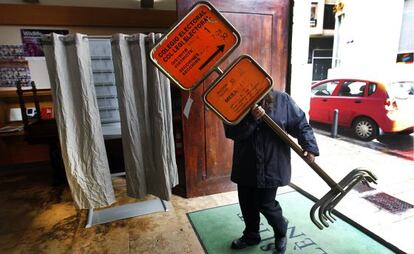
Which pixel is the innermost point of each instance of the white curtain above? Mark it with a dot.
(77, 116)
(146, 119)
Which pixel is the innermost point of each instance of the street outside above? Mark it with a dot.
(397, 144)
(390, 158)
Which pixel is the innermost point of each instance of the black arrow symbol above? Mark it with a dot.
(220, 48)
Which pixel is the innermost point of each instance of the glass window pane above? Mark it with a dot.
(325, 89)
(352, 88)
(372, 88)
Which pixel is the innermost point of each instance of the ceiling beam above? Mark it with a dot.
(46, 15)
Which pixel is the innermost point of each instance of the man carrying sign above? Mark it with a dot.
(261, 164)
(187, 54)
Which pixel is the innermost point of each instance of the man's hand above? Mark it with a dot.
(258, 112)
(309, 157)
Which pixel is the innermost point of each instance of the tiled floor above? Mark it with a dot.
(36, 218)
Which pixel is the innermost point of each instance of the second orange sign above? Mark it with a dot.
(242, 85)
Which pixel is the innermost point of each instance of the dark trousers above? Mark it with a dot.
(254, 201)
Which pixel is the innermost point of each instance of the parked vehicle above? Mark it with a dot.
(365, 106)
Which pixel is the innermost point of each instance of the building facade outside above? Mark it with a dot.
(367, 39)
(374, 40)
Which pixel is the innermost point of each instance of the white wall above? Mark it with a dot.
(368, 43)
(37, 65)
(301, 77)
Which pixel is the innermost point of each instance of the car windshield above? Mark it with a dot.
(401, 89)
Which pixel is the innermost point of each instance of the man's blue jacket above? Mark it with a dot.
(260, 158)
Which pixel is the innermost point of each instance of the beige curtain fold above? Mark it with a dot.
(77, 116)
(146, 118)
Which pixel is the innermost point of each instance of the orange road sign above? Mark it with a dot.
(191, 50)
(240, 87)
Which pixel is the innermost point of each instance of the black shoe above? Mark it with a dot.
(280, 244)
(244, 242)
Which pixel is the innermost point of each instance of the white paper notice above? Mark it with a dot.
(187, 107)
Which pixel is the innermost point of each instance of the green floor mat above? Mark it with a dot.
(217, 227)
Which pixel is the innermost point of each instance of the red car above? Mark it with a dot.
(366, 106)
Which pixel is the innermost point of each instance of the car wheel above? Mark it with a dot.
(365, 129)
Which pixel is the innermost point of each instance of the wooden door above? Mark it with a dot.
(264, 28)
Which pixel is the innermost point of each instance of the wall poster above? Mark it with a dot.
(31, 40)
(13, 66)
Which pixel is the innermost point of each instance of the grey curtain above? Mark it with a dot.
(77, 116)
(146, 119)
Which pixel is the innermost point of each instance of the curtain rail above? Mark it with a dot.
(97, 36)
(101, 36)
(104, 36)
(47, 39)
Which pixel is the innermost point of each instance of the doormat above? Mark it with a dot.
(217, 227)
(389, 203)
